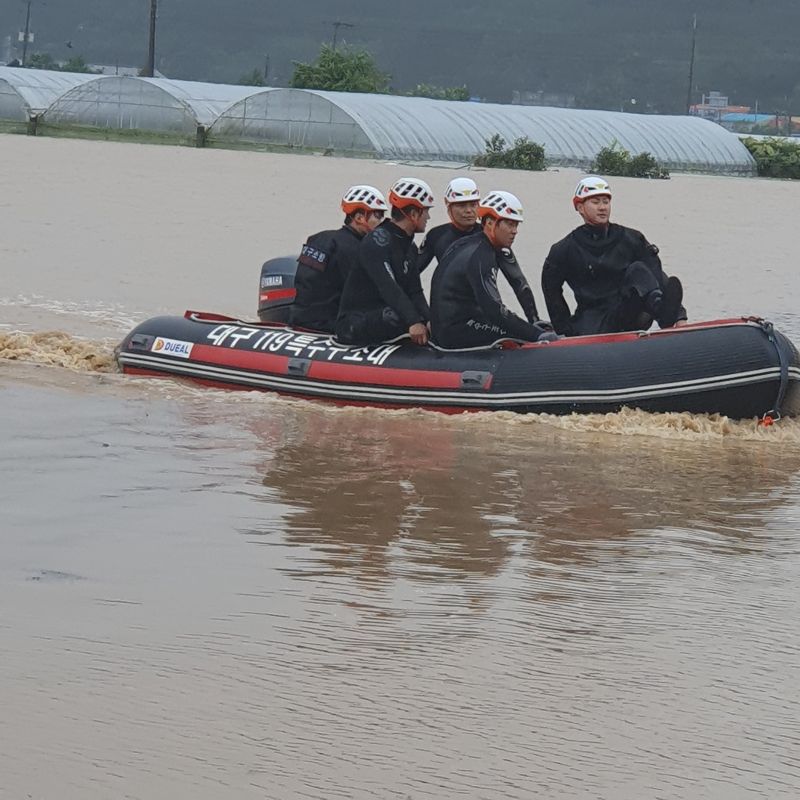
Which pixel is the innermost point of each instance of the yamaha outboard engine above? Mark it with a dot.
(276, 290)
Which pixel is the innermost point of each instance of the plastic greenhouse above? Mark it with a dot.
(368, 125)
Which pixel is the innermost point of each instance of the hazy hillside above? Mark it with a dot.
(602, 53)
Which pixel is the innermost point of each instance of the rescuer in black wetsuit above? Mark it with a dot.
(613, 271)
(466, 309)
(461, 200)
(383, 297)
(327, 256)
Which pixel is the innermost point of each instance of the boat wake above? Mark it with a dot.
(58, 349)
(669, 425)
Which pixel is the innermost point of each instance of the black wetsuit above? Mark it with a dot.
(615, 275)
(466, 309)
(325, 261)
(439, 239)
(382, 295)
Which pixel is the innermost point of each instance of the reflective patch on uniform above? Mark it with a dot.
(381, 237)
(313, 257)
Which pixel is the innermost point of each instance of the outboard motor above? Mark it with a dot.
(276, 290)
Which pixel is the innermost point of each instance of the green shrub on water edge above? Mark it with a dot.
(616, 160)
(524, 154)
(775, 158)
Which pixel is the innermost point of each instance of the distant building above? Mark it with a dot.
(714, 106)
(767, 124)
(551, 99)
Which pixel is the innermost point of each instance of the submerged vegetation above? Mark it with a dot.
(523, 154)
(775, 158)
(616, 160)
(528, 155)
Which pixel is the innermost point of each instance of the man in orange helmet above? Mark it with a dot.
(613, 271)
(461, 198)
(383, 297)
(327, 256)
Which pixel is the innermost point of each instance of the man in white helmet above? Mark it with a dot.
(461, 199)
(613, 271)
(466, 309)
(383, 297)
(327, 257)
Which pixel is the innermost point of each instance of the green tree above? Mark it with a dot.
(440, 92)
(254, 78)
(342, 70)
(77, 64)
(41, 61)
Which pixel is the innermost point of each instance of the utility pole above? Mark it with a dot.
(27, 34)
(150, 67)
(336, 26)
(266, 69)
(691, 66)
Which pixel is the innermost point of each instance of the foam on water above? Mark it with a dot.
(58, 349)
(682, 426)
(55, 348)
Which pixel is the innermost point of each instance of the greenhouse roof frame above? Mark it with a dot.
(394, 127)
(421, 128)
(39, 88)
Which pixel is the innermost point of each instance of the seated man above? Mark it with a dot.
(613, 271)
(466, 309)
(461, 200)
(383, 297)
(327, 256)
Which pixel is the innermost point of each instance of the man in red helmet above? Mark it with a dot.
(327, 256)
(383, 297)
(613, 271)
(466, 309)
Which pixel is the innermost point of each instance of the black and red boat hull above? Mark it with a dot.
(740, 368)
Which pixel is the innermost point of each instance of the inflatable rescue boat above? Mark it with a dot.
(739, 367)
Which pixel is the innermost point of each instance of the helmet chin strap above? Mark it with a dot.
(409, 217)
(363, 226)
(490, 234)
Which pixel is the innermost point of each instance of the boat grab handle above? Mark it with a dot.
(140, 341)
(472, 379)
(298, 366)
